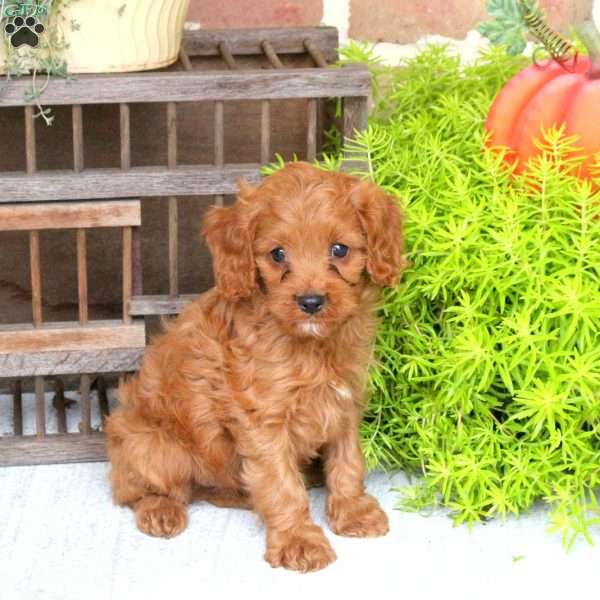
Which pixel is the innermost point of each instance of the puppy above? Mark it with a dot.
(267, 370)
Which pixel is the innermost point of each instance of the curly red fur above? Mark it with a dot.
(244, 389)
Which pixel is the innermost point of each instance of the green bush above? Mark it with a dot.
(488, 375)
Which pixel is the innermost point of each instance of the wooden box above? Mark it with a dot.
(80, 283)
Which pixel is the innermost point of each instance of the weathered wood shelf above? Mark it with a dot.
(194, 86)
(65, 448)
(148, 182)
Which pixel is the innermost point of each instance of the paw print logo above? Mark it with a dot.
(22, 31)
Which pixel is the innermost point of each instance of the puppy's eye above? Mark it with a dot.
(278, 255)
(339, 250)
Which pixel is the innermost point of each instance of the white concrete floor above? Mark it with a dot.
(61, 538)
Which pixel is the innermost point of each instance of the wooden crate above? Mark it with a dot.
(295, 65)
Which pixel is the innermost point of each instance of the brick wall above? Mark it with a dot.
(255, 13)
(396, 25)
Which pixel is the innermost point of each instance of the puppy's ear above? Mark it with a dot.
(382, 221)
(229, 238)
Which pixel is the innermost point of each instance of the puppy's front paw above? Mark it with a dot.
(160, 516)
(303, 548)
(356, 517)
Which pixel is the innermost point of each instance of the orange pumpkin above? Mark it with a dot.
(540, 97)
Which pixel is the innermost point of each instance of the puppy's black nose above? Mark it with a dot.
(311, 303)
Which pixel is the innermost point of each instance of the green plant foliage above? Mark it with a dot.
(487, 381)
(507, 27)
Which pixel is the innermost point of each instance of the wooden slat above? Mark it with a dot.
(265, 122)
(60, 405)
(159, 305)
(127, 272)
(288, 40)
(85, 405)
(271, 54)
(69, 336)
(173, 248)
(226, 55)
(356, 112)
(36, 273)
(185, 60)
(219, 143)
(173, 234)
(69, 216)
(265, 132)
(94, 184)
(30, 149)
(40, 407)
(137, 261)
(219, 132)
(17, 393)
(82, 282)
(315, 53)
(188, 86)
(311, 135)
(77, 138)
(66, 448)
(103, 396)
(219, 127)
(125, 134)
(70, 362)
(355, 119)
(171, 135)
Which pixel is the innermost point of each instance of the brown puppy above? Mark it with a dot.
(266, 371)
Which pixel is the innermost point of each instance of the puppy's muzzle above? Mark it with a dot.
(311, 303)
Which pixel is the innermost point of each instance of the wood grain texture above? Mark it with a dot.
(30, 148)
(171, 135)
(40, 407)
(271, 54)
(69, 336)
(356, 111)
(36, 276)
(311, 131)
(85, 406)
(127, 272)
(185, 59)
(103, 396)
(125, 135)
(70, 362)
(288, 40)
(189, 86)
(59, 403)
(65, 448)
(219, 142)
(95, 184)
(77, 138)
(265, 132)
(82, 282)
(138, 272)
(227, 55)
(173, 247)
(159, 304)
(63, 215)
(17, 394)
(315, 53)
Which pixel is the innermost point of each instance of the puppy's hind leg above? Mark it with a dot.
(151, 472)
